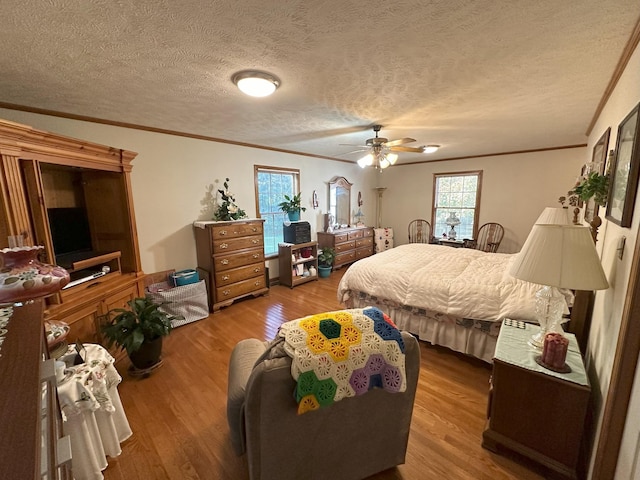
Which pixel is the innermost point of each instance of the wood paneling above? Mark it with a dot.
(178, 414)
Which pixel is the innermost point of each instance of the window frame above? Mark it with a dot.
(476, 213)
(295, 172)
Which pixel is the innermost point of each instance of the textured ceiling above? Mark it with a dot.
(475, 76)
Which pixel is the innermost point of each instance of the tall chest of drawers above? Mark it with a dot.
(350, 244)
(231, 260)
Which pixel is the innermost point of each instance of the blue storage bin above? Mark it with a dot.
(184, 277)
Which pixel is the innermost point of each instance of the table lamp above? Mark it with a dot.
(557, 256)
(452, 221)
(554, 216)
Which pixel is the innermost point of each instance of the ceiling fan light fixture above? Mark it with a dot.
(430, 148)
(256, 83)
(384, 163)
(392, 158)
(366, 161)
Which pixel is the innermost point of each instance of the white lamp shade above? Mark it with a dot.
(392, 157)
(430, 148)
(554, 216)
(562, 256)
(366, 161)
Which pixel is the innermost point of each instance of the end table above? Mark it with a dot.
(533, 411)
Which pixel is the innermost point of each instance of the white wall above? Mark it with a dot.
(171, 175)
(515, 190)
(609, 304)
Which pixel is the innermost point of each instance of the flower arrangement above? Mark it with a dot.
(228, 210)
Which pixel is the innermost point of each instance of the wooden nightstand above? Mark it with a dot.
(534, 411)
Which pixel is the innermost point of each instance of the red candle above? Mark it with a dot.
(554, 351)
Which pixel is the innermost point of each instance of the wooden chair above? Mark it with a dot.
(419, 231)
(488, 238)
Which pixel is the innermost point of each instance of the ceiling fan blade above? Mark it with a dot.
(353, 145)
(353, 151)
(399, 141)
(407, 149)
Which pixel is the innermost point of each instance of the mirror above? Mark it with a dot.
(340, 201)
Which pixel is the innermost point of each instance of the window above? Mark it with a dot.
(457, 193)
(272, 184)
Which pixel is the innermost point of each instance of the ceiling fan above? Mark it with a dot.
(381, 150)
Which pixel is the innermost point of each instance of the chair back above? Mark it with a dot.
(419, 231)
(489, 237)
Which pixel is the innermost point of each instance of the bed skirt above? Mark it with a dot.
(472, 337)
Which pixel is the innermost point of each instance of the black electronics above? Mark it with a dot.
(297, 232)
(70, 231)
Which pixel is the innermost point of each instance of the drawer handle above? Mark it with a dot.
(258, 283)
(226, 277)
(254, 229)
(226, 292)
(222, 233)
(256, 255)
(224, 261)
(224, 245)
(236, 232)
(257, 269)
(255, 241)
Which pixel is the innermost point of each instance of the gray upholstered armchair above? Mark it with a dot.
(350, 439)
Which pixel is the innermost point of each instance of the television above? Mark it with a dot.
(70, 234)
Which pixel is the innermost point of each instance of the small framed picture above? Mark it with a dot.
(624, 171)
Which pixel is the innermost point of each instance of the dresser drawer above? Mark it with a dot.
(345, 257)
(240, 288)
(340, 237)
(364, 242)
(236, 230)
(364, 252)
(234, 275)
(355, 234)
(367, 232)
(234, 244)
(226, 262)
(344, 247)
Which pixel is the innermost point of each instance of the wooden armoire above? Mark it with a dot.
(74, 198)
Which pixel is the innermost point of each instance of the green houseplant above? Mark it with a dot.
(325, 261)
(292, 206)
(138, 330)
(594, 186)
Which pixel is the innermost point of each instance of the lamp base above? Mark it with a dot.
(537, 341)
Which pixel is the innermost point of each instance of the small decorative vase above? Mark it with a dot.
(24, 277)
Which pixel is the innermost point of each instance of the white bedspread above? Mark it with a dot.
(461, 282)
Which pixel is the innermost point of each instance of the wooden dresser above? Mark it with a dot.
(32, 445)
(350, 244)
(231, 260)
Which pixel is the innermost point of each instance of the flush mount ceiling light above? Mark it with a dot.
(430, 148)
(256, 83)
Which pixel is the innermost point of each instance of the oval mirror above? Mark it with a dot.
(340, 201)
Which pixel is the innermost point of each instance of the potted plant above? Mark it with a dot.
(139, 331)
(292, 207)
(594, 186)
(325, 261)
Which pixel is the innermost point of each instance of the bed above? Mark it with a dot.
(454, 297)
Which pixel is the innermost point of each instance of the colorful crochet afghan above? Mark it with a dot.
(342, 354)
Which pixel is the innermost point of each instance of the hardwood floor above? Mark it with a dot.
(178, 414)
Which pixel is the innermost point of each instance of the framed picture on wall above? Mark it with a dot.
(624, 171)
(598, 164)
